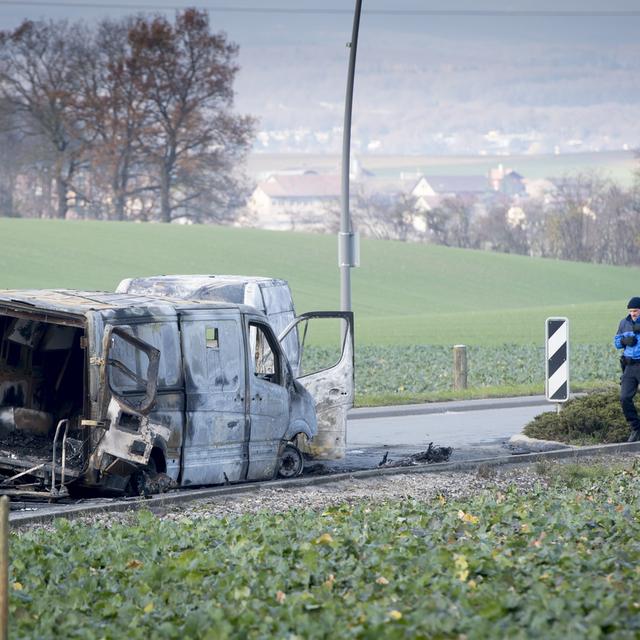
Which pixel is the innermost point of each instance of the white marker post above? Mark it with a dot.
(557, 359)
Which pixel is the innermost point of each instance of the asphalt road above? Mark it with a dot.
(475, 429)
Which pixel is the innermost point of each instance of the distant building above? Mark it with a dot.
(357, 172)
(288, 202)
(513, 184)
(507, 181)
(429, 191)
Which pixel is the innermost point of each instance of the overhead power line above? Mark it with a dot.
(536, 13)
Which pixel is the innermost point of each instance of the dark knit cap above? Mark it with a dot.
(634, 303)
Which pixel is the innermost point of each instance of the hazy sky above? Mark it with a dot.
(294, 61)
(259, 20)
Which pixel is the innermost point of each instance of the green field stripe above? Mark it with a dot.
(404, 293)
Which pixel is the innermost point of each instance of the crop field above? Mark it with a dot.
(559, 561)
(423, 370)
(412, 301)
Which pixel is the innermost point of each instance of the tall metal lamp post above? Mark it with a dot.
(347, 240)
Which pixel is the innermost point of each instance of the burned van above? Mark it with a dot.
(117, 392)
(318, 347)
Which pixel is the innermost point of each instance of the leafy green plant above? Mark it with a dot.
(500, 564)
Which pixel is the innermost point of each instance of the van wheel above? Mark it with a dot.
(291, 462)
(137, 485)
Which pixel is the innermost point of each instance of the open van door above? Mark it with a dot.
(326, 371)
(128, 388)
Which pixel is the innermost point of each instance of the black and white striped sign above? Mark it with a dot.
(557, 352)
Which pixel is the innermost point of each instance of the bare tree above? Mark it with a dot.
(385, 216)
(187, 74)
(617, 237)
(11, 151)
(112, 106)
(501, 230)
(572, 221)
(38, 78)
(450, 223)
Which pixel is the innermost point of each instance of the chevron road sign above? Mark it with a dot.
(557, 359)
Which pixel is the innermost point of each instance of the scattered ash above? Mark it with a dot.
(29, 446)
(24, 444)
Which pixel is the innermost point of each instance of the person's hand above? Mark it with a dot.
(629, 341)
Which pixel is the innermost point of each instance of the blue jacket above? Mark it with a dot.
(626, 329)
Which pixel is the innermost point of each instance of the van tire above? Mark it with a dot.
(138, 480)
(291, 462)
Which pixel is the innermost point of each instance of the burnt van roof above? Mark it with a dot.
(70, 301)
(200, 279)
(210, 287)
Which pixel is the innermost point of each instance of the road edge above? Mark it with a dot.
(453, 406)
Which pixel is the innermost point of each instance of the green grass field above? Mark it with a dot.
(403, 293)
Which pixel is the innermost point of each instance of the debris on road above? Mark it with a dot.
(432, 454)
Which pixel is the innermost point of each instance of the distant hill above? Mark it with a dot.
(447, 85)
(403, 293)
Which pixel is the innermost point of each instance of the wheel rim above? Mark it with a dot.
(291, 462)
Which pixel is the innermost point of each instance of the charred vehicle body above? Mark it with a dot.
(273, 297)
(115, 392)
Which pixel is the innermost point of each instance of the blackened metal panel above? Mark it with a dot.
(268, 399)
(159, 329)
(215, 444)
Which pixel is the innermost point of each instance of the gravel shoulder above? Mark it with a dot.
(417, 486)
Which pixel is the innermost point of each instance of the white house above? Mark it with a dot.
(288, 202)
(429, 191)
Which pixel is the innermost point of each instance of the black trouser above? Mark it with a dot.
(628, 388)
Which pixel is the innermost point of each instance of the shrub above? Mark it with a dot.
(592, 419)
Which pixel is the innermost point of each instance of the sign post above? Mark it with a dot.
(557, 359)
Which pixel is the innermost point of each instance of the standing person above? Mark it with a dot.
(627, 338)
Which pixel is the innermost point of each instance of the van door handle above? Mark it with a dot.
(257, 397)
(232, 424)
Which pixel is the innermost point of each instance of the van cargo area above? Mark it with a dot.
(42, 380)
